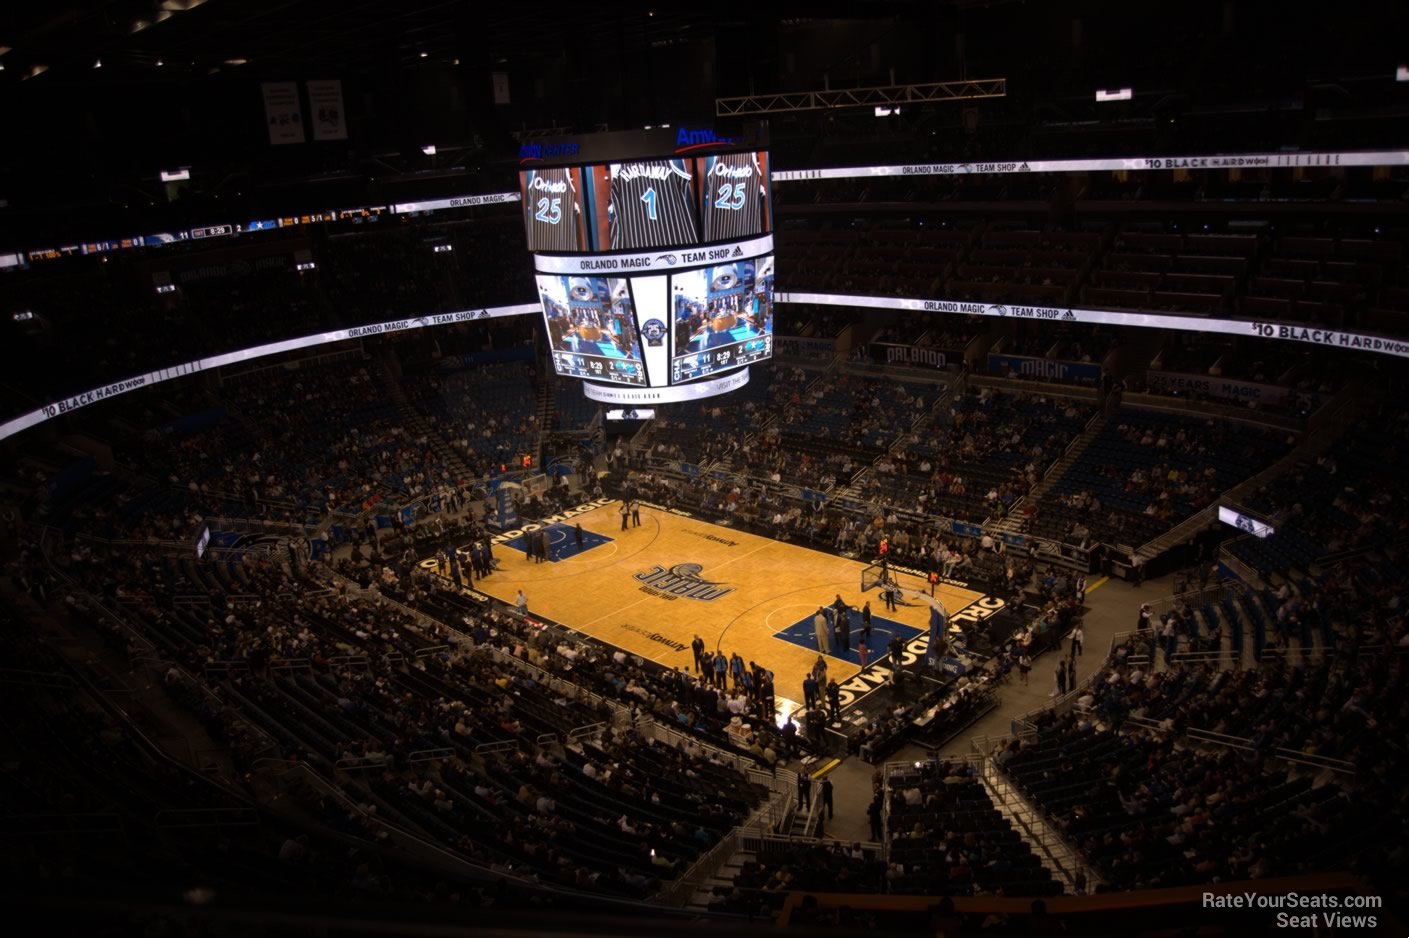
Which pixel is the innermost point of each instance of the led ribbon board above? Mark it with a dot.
(1326, 338)
(76, 401)
(1135, 164)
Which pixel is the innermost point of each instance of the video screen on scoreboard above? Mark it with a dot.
(721, 318)
(735, 196)
(645, 204)
(552, 209)
(592, 328)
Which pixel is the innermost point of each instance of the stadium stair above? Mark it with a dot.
(1050, 848)
(1013, 523)
(546, 410)
(1341, 413)
(722, 879)
(416, 422)
(916, 432)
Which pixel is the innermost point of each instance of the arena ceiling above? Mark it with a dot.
(102, 94)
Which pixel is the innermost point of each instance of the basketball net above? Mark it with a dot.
(927, 599)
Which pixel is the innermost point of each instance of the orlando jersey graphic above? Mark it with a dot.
(552, 209)
(592, 328)
(651, 204)
(733, 196)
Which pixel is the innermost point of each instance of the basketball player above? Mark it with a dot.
(651, 204)
(733, 196)
(552, 210)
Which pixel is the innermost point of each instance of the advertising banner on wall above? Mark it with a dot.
(1225, 389)
(911, 356)
(1045, 368)
(793, 346)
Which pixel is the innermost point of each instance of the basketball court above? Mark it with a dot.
(650, 589)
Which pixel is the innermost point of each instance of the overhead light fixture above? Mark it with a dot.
(1402, 73)
(97, 63)
(424, 54)
(1120, 94)
(428, 149)
(237, 61)
(176, 175)
(160, 63)
(887, 111)
(23, 315)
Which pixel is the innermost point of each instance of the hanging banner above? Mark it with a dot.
(325, 104)
(915, 356)
(1050, 369)
(791, 346)
(282, 112)
(1226, 389)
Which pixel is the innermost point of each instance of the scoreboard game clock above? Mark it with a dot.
(653, 256)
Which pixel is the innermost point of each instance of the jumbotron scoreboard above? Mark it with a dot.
(653, 255)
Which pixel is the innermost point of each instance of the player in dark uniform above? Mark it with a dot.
(733, 196)
(552, 210)
(652, 204)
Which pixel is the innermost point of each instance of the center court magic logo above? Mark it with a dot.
(683, 579)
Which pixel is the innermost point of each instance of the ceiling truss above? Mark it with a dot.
(883, 96)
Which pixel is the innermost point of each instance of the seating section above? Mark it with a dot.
(946, 837)
(487, 412)
(762, 884)
(1146, 471)
(1149, 810)
(988, 451)
(571, 408)
(1033, 266)
(445, 742)
(839, 425)
(1319, 279)
(1342, 501)
(374, 273)
(223, 302)
(1059, 341)
(702, 433)
(326, 436)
